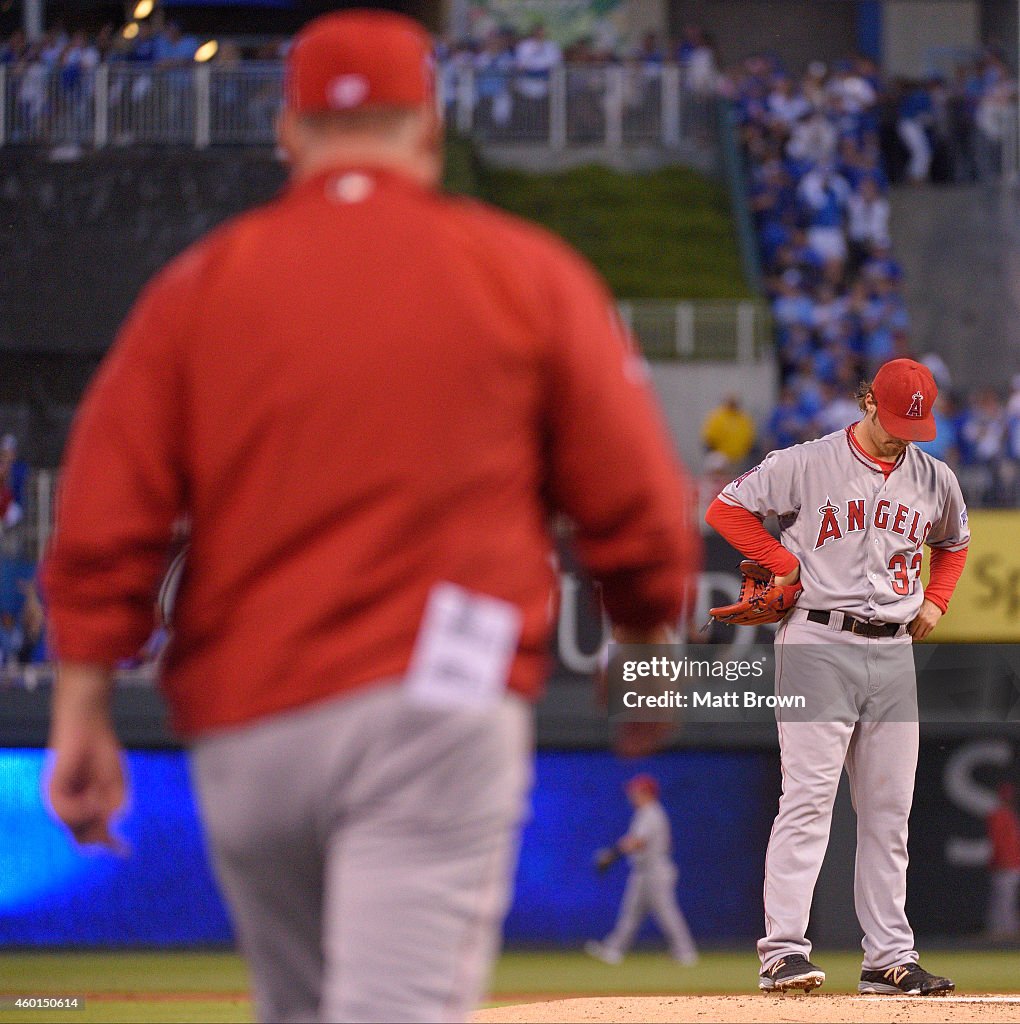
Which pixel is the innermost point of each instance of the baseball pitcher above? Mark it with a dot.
(855, 508)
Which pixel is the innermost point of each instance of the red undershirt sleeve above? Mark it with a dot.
(745, 532)
(946, 568)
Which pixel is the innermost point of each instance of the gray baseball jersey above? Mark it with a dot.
(650, 824)
(858, 534)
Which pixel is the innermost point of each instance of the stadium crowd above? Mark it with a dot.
(821, 149)
(817, 191)
(502, 48)
(510, 75)
(155, 42)
(936, 128)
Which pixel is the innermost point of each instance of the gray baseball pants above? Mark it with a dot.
(861, 715)
(652, 891)
(1003, 920)
(366, 847)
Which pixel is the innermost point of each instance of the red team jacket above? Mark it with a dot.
(354, 392)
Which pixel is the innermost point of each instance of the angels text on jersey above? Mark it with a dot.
(857, 533)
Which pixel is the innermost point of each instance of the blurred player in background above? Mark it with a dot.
(1003, 824)
(368, 399)
(651, 886)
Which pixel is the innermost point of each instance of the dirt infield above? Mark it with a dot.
(757, 1008)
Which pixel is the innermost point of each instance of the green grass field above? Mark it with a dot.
(191, 987)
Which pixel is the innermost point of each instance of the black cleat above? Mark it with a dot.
(791, 972)
(908, 979)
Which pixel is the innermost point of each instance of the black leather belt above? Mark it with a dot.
(858, 626)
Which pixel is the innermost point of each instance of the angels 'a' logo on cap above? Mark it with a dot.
(915, 405)
(346, 91)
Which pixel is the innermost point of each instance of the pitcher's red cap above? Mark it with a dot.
(905, 392)
(359, 58)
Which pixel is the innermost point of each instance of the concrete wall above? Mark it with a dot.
(85, 236)
(646, 16)
(912, 29)
(960, 249)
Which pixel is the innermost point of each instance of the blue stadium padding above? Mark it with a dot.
(721, 806)
(51, 894)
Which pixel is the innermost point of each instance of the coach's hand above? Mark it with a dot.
(926, 620)
(86, 777)
(639, 739)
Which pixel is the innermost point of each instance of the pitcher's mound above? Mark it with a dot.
(753, 1009)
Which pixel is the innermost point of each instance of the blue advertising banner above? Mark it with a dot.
(720, 806)
(163, 893)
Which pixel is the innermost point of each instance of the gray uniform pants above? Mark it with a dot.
(862, 716)
(1003, 921)
(366, 847)
(652, 890)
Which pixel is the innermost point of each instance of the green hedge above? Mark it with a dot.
(666, 234)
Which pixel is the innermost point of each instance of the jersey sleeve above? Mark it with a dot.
(951, 532)
(771, 487)
(644, 825)
(121, 488)
(610, 463)
(946, 570)
(744, 532)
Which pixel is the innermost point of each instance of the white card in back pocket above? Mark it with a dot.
(465, 648)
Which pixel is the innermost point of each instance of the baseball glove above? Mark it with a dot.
(761, 599)
(604, 858)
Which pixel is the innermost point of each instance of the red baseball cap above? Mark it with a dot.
(643, 781)
(905, 392)
(353, 59)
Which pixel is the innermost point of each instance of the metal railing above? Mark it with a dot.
(612, 106)
(119, 104)
(701, 331)
(28, 539)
